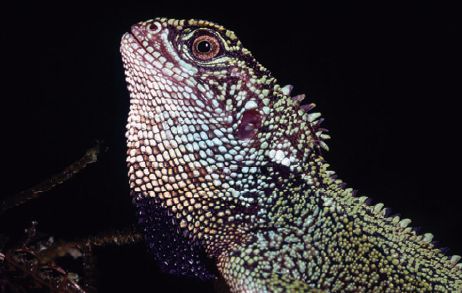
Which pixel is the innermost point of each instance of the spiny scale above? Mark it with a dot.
(225, 167)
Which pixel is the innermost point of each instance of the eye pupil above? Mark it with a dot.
(204, 47)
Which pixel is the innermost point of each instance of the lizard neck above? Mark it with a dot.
(322, 233)
(287, 199)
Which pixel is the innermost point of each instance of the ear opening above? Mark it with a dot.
(249, 125)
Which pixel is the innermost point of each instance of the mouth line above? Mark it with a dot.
(133, 32)
(133, 36)
(142, 51)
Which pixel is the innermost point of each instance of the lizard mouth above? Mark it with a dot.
(144, 45)
(143, 38)
(145, 59)
(132, 45)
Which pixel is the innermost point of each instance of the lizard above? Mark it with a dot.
(228, 178)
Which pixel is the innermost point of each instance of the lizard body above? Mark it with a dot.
(227, 174)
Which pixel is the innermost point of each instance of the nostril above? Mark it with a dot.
(154, 27)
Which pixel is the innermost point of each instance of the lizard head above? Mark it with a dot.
(210, 132)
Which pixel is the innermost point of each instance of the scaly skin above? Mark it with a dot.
(226, 168)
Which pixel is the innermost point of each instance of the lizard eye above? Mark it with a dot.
(205, 47)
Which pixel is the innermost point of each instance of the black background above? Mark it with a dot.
(385, 78)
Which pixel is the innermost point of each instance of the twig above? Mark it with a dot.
(22, 197)
(73, 248)
(42, 275)
(37, 261)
